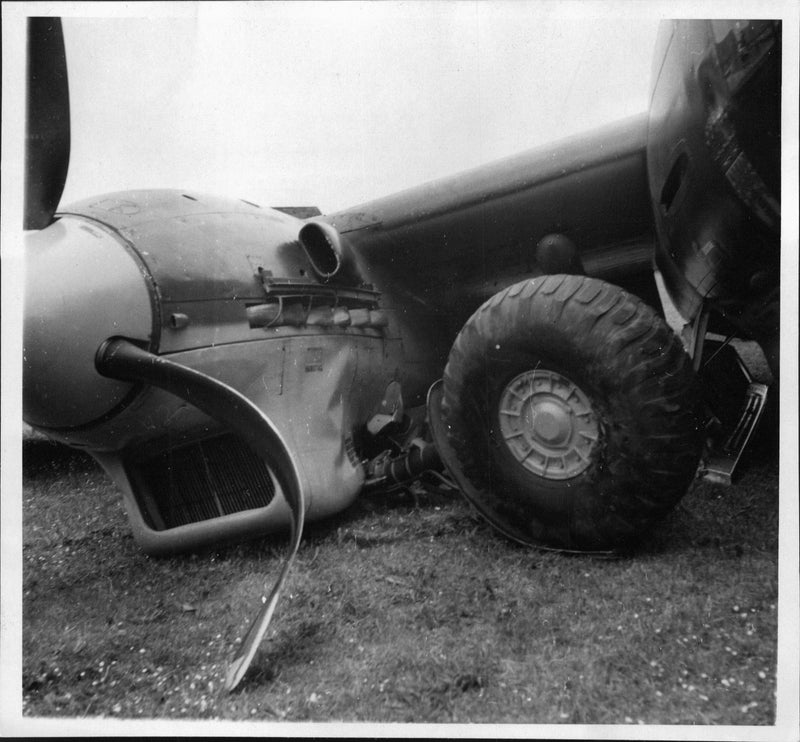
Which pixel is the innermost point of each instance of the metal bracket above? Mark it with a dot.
(721, 463)
(303, 288)
(697, 338)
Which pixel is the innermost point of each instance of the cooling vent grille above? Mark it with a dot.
(208, 479)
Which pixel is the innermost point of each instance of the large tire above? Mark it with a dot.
(570, 408)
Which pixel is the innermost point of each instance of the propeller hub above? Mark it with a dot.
(82, 286)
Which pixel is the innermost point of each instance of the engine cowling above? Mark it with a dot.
(226, 289)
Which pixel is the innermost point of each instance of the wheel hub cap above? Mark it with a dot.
(548, 424)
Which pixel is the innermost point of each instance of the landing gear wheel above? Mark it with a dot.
(548, 424)
(569, 410)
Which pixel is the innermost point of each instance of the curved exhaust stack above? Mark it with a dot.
(328, 253)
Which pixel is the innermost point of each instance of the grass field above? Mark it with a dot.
(403, 609)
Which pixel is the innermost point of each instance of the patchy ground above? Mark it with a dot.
(403, 609)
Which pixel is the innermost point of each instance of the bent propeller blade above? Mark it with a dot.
(118, 358)
(241, 662)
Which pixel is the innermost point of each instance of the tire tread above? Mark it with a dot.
(620, 339)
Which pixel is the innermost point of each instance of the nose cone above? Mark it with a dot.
(82, 286)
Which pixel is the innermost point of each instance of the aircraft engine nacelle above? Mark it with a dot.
(713, 156)
(227, 290)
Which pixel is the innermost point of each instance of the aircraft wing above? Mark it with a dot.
(592, 188)
(478, 231)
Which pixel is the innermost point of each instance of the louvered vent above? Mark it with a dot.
(201, 481)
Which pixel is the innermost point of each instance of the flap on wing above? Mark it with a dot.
(301, 212)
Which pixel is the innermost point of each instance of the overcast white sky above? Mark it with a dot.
(331, 104)
(335, 103)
